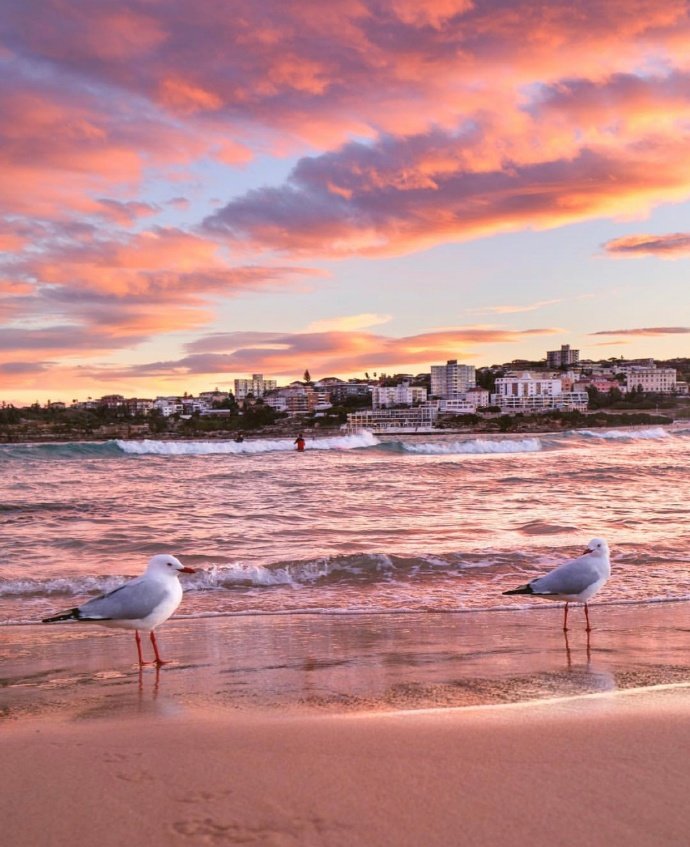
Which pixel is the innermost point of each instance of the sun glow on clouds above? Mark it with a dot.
(411, 125)
(348, 323)
(337, 352)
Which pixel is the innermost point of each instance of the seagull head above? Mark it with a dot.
(164, 563)
(597, 547)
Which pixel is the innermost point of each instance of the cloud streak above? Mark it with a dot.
(646, 331)
(328, 353)
(672, 246)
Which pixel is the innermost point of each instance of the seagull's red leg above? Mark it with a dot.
(565, 619)
(141, 657)
(589, 628)
(159, 661)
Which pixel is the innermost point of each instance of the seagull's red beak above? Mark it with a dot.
(588, 550)
(187, 570)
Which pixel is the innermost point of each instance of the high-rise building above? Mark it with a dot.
(563, 357)
(452, 379)
(257, 386)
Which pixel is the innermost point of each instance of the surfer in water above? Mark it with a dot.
(300, 442)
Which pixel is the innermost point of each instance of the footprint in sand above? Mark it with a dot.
(297, 832)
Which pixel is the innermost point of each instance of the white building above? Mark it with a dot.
(452, 379)
(523, 392)
(478, 397)
(457, 406)
(465, 404)
(386, 396)
(415, 419)
(654, 380)
(168, 406)
(256, 386)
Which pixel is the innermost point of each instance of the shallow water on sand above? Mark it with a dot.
(298, 663)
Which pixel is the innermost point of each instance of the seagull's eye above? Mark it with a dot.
(169, 564)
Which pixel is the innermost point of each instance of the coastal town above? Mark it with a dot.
(560, 390)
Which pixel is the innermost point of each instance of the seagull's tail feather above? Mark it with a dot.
(71, 615)
(523, 589)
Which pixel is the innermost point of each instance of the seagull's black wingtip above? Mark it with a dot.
(71, 615)
(523, 589)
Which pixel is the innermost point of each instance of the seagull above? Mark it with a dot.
(574, 581)
(142, 603)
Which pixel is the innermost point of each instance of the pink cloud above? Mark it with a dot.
(655, 331)
(108, 291)
(675, 245)
(445, 91)
(285, 354)
(383, 208)
(61, 146)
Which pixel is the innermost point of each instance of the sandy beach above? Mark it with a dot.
(568, 773)
(345, 730)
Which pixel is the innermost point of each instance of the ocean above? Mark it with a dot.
(357, 524)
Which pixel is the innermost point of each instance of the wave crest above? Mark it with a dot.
(478, 446)
(248, 447)
(617, 434)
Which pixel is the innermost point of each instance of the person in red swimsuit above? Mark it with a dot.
(299, 441)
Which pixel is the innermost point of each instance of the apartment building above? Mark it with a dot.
(416, 418)
(524, 392)
(339, 390)
(387, 396)
(452, 379)
(295, 399)
(563, 357)
(653, 380)
(257, 386)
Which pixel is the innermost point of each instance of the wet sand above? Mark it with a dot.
(352, 730)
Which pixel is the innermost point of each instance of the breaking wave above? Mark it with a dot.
(617, 434)
(248, 447)
(477, 446)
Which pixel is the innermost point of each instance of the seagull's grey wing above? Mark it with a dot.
(569, 578)
(133, 600)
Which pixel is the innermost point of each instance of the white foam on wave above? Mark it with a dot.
(617, 434)
(69, 586)
(476, 446)
(294, 574)
(247, 447)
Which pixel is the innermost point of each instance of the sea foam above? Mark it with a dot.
(475, 446)
(616, 434)
(247, 447)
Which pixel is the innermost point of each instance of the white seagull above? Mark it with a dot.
(140, 604)
(574, 581)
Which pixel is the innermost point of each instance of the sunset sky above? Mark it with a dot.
(195, 191)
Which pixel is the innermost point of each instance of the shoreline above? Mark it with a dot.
(335, 433)
(316, 664)
(327, 732)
